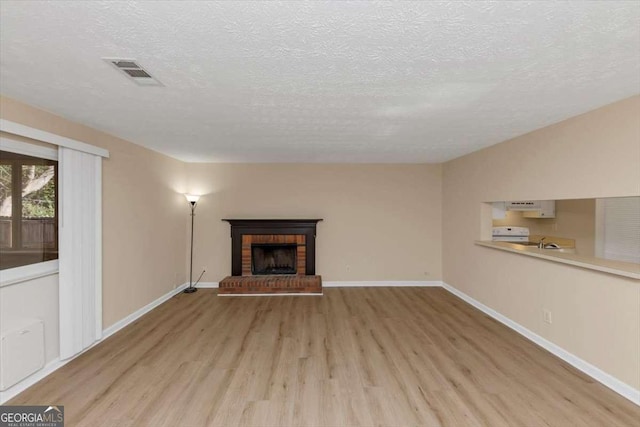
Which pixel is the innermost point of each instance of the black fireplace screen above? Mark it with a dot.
(268, 258)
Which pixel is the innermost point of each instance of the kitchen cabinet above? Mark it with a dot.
(499, 210)
(543, 209)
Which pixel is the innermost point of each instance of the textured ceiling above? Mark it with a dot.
(321, 81)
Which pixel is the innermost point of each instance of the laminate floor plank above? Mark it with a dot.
(353, 357)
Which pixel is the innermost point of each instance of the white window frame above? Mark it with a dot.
(21, 130)
(51, 138)
(38, 135)
(12, 276)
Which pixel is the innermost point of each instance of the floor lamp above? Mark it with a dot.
(193, 200)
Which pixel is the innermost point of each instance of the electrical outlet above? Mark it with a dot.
(546, 314)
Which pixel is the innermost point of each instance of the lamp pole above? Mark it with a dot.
(193, 200)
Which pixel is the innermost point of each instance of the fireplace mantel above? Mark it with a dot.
(242, 227)
(273, 222)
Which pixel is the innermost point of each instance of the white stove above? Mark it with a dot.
(510, 234)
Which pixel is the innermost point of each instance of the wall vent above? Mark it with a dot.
(21, 352)
(133, 71)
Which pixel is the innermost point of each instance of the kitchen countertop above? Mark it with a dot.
(620, 268)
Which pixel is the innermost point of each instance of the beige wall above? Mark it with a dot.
(575, 219)
(384, 222)
(596, 316)
(144, 214)
(381, 222)
(393, 212)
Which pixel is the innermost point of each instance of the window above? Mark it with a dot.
(28, 210)
(618, 229)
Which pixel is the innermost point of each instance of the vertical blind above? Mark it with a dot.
(621, 229)
(80, 231)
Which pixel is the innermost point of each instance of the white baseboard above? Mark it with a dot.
(274, 294)
(597, 374)
(106, 333)
(352, 284)
(57, 363)
(388, 283)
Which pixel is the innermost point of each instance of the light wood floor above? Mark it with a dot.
(358, 356)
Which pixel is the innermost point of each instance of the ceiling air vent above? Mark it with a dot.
(133, 71)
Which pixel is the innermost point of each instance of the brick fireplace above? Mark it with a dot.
(272, 256)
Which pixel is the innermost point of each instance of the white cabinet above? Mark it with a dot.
(545, 209)
(499, 210)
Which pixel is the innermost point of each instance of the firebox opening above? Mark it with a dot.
(269, 258)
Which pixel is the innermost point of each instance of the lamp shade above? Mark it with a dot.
(192, 198)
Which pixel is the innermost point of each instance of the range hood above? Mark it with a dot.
(534, 208)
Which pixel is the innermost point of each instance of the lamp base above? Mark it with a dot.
(190, 290)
